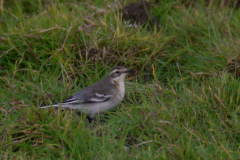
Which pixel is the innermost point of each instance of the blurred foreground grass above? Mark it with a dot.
(183, 102)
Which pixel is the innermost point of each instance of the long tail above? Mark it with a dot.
(54, 105)
(77, 107)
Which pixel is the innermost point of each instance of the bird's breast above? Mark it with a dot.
(121, 91)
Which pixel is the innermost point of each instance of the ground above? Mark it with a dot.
(181, 102)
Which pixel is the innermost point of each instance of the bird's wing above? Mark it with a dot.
(95, 98)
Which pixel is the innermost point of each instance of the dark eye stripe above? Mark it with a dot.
(114, 75)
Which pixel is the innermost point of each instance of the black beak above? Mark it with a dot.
(127, 71)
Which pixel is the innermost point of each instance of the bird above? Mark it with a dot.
(99, 97)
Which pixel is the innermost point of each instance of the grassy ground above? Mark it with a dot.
(183, 102)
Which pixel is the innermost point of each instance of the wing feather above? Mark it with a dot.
(96, 98)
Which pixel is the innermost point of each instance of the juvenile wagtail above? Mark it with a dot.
(100, 96)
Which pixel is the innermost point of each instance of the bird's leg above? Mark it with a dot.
(89, 119)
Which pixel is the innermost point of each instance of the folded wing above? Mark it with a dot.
(96, 98)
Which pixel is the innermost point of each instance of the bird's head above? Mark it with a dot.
(118, 74)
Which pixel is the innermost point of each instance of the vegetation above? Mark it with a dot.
(182, 102)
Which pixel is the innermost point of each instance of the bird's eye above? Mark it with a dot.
(117, 72)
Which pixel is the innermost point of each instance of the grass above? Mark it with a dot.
(181, 103)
